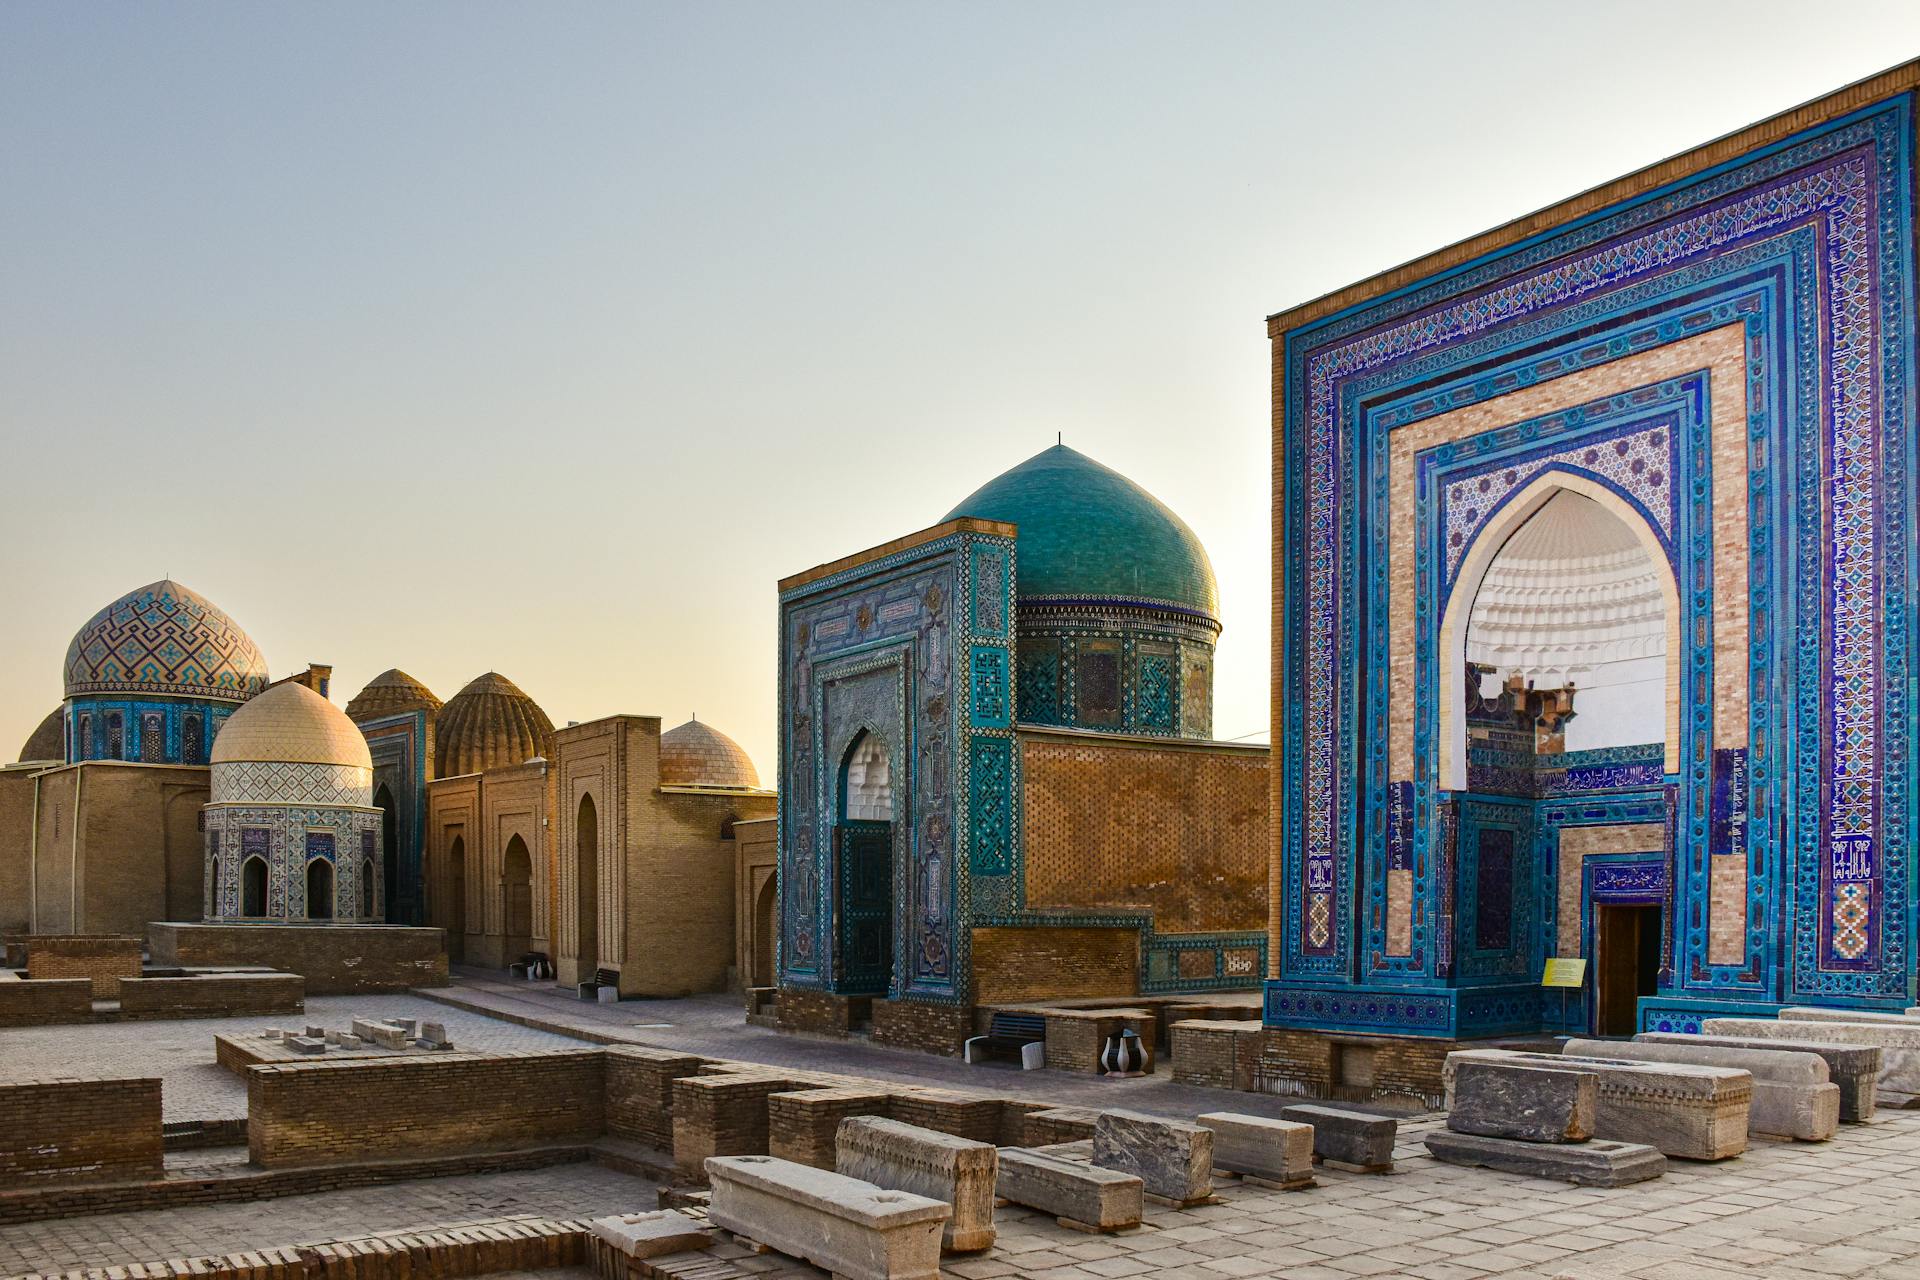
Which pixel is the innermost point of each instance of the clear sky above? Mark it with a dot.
(544, 338)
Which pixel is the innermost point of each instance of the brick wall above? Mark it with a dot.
(1312, 1064)
(640, 1092)
(965, 1115)
(55, 1132)
(801, 1125)
(212, 996)
(1205, 1052)
(1076, 1037)
(1054, 963)
(105, 958)
(930, 1028)
(335, 1112)
(723, 1115)
(820, 1011)
(335, 959)
(36, 1004)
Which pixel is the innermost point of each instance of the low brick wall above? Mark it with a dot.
(1076, 1037)
(519, 1244)
(1206, 1052)
(335, 959)
(224, 995)
(63, 1132)
(314, 1113)
(723, 1115)
(640, 1092)
(797, 1009)
(964, 1115)
(930, 1028)
(41, 1003)
(104, 958)
(801, 1126)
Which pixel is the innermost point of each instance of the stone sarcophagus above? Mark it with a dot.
(939, 1166)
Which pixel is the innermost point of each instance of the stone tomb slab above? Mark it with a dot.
(1349, 1140)
(1276, 1152)
(1898, 1042)
(1525, 1101)
(939, 1166)
(849, 1227)
(650, 1235)
(1792, 1097)
(1598, 1163)
(1852, 1068)
(1174, 1159)
(1689, 1112)
(1076, 1193)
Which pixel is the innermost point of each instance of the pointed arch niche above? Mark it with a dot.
(1548, 628)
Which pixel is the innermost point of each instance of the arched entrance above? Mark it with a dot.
(1565, 618)
(383, 801)
(766, 904)
(319, 889)
(516, 875)
(253, 888)
(863, 869)
(455, 922)
(586, 832)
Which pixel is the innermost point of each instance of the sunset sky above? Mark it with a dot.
(546, 338)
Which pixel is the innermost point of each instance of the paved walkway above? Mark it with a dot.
(715, 1026)
(559, 1191)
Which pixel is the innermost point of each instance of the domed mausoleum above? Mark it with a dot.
(151, 677)
(488, 724)
(699, 755)
(292, 833)
(1118, 611)
(49, 739)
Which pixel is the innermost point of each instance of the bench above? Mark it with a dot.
(1011, 1034)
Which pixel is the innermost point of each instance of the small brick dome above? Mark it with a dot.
(698, 755)
(49, 741)
(488, 725)
(391, 692)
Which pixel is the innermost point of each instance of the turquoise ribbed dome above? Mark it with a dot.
(1089, 533)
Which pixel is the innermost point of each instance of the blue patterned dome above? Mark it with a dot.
(165, 639)
(1087, 533)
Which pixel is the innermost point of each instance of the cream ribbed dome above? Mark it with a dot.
(488, 725)
(1572, 589)
(291, 724)
(698, 755)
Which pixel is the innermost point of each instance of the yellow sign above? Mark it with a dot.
(1564, 973)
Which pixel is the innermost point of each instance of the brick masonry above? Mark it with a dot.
(50, 1000)
(337, 1112)
(212, 995)
(105, 958)
(334, 959)
(801, 1125)
(640, 1092)
(63, 1132)
(929, 1028)
(1054, 963)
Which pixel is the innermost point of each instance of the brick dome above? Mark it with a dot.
(389, 693)
(488, 725)
(49, 741)
(699, 755)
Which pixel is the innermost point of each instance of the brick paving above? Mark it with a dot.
(559, 1191)
(181, 1052)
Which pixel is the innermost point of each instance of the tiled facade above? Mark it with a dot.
(1718, 352)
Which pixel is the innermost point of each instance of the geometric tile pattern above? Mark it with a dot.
(272, 782)
(164, 638)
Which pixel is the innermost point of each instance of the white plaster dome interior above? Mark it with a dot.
(1574, 597)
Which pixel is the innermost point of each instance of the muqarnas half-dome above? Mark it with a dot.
(699, 755)
(165, 639)
(488, 725)
(390, 693)
(1087, 533)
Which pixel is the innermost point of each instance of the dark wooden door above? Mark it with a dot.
(865, 906)
(1626, 964)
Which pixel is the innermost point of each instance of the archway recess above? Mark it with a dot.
(1579, 593)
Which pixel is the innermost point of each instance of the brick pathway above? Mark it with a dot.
(560, 1191)
(181, 1052)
